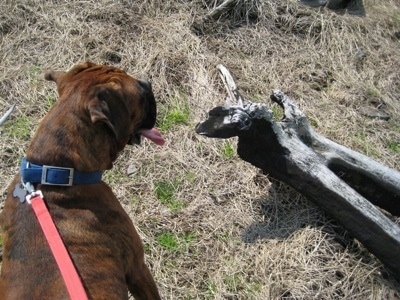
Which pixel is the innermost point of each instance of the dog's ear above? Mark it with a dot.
(58, 76)
(108, 107)
(55, 76)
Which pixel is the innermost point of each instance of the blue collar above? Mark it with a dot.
(60, 176)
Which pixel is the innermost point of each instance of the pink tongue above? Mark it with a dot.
(153, 135)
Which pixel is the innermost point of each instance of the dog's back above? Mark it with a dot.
(97, 232)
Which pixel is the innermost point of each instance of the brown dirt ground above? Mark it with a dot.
(234, 233)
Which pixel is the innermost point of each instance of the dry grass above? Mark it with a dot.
(225, 232)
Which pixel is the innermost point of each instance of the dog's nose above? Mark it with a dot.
(145, 83)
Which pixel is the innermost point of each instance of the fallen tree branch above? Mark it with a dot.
(346, 184)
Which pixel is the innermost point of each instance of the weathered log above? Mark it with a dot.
(346, 184)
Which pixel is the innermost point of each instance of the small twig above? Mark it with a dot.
(219, 10)
(7, 114)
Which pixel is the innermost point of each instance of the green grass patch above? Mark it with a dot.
(365, 145)
(114, 176)
(175, 113)
(258, 98)
(165, 192)
(177, 205)
(237, 282)
(168, 240)
(146, 248)
(211, 287)
(371, 94)
(134, 200)
(396, 19)
(232, 282)
(254, 288)
(35, 69)
(313, 122)
(189, 237)
(394, 146)
(50, 100)
(33, 73)
(225, 237)
(20, 128)
(361, 136)
(175, 242)
(227, 150)
(277, 112)
(191, 177)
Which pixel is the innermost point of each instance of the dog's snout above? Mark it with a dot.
(145, 84)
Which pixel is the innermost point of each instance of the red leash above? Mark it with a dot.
(70, 275)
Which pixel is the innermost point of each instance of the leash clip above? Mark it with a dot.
(28, 186)
(34, 194)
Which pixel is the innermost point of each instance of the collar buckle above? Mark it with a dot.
(70, 176)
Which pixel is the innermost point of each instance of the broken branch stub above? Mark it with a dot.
(233, 98)
(346, 184)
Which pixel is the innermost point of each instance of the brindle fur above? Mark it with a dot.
(98, 110)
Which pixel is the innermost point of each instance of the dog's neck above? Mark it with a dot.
(74, 143)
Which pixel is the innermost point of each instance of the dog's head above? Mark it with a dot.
(110, 97)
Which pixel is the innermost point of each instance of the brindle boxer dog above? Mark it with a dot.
(100, 109)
